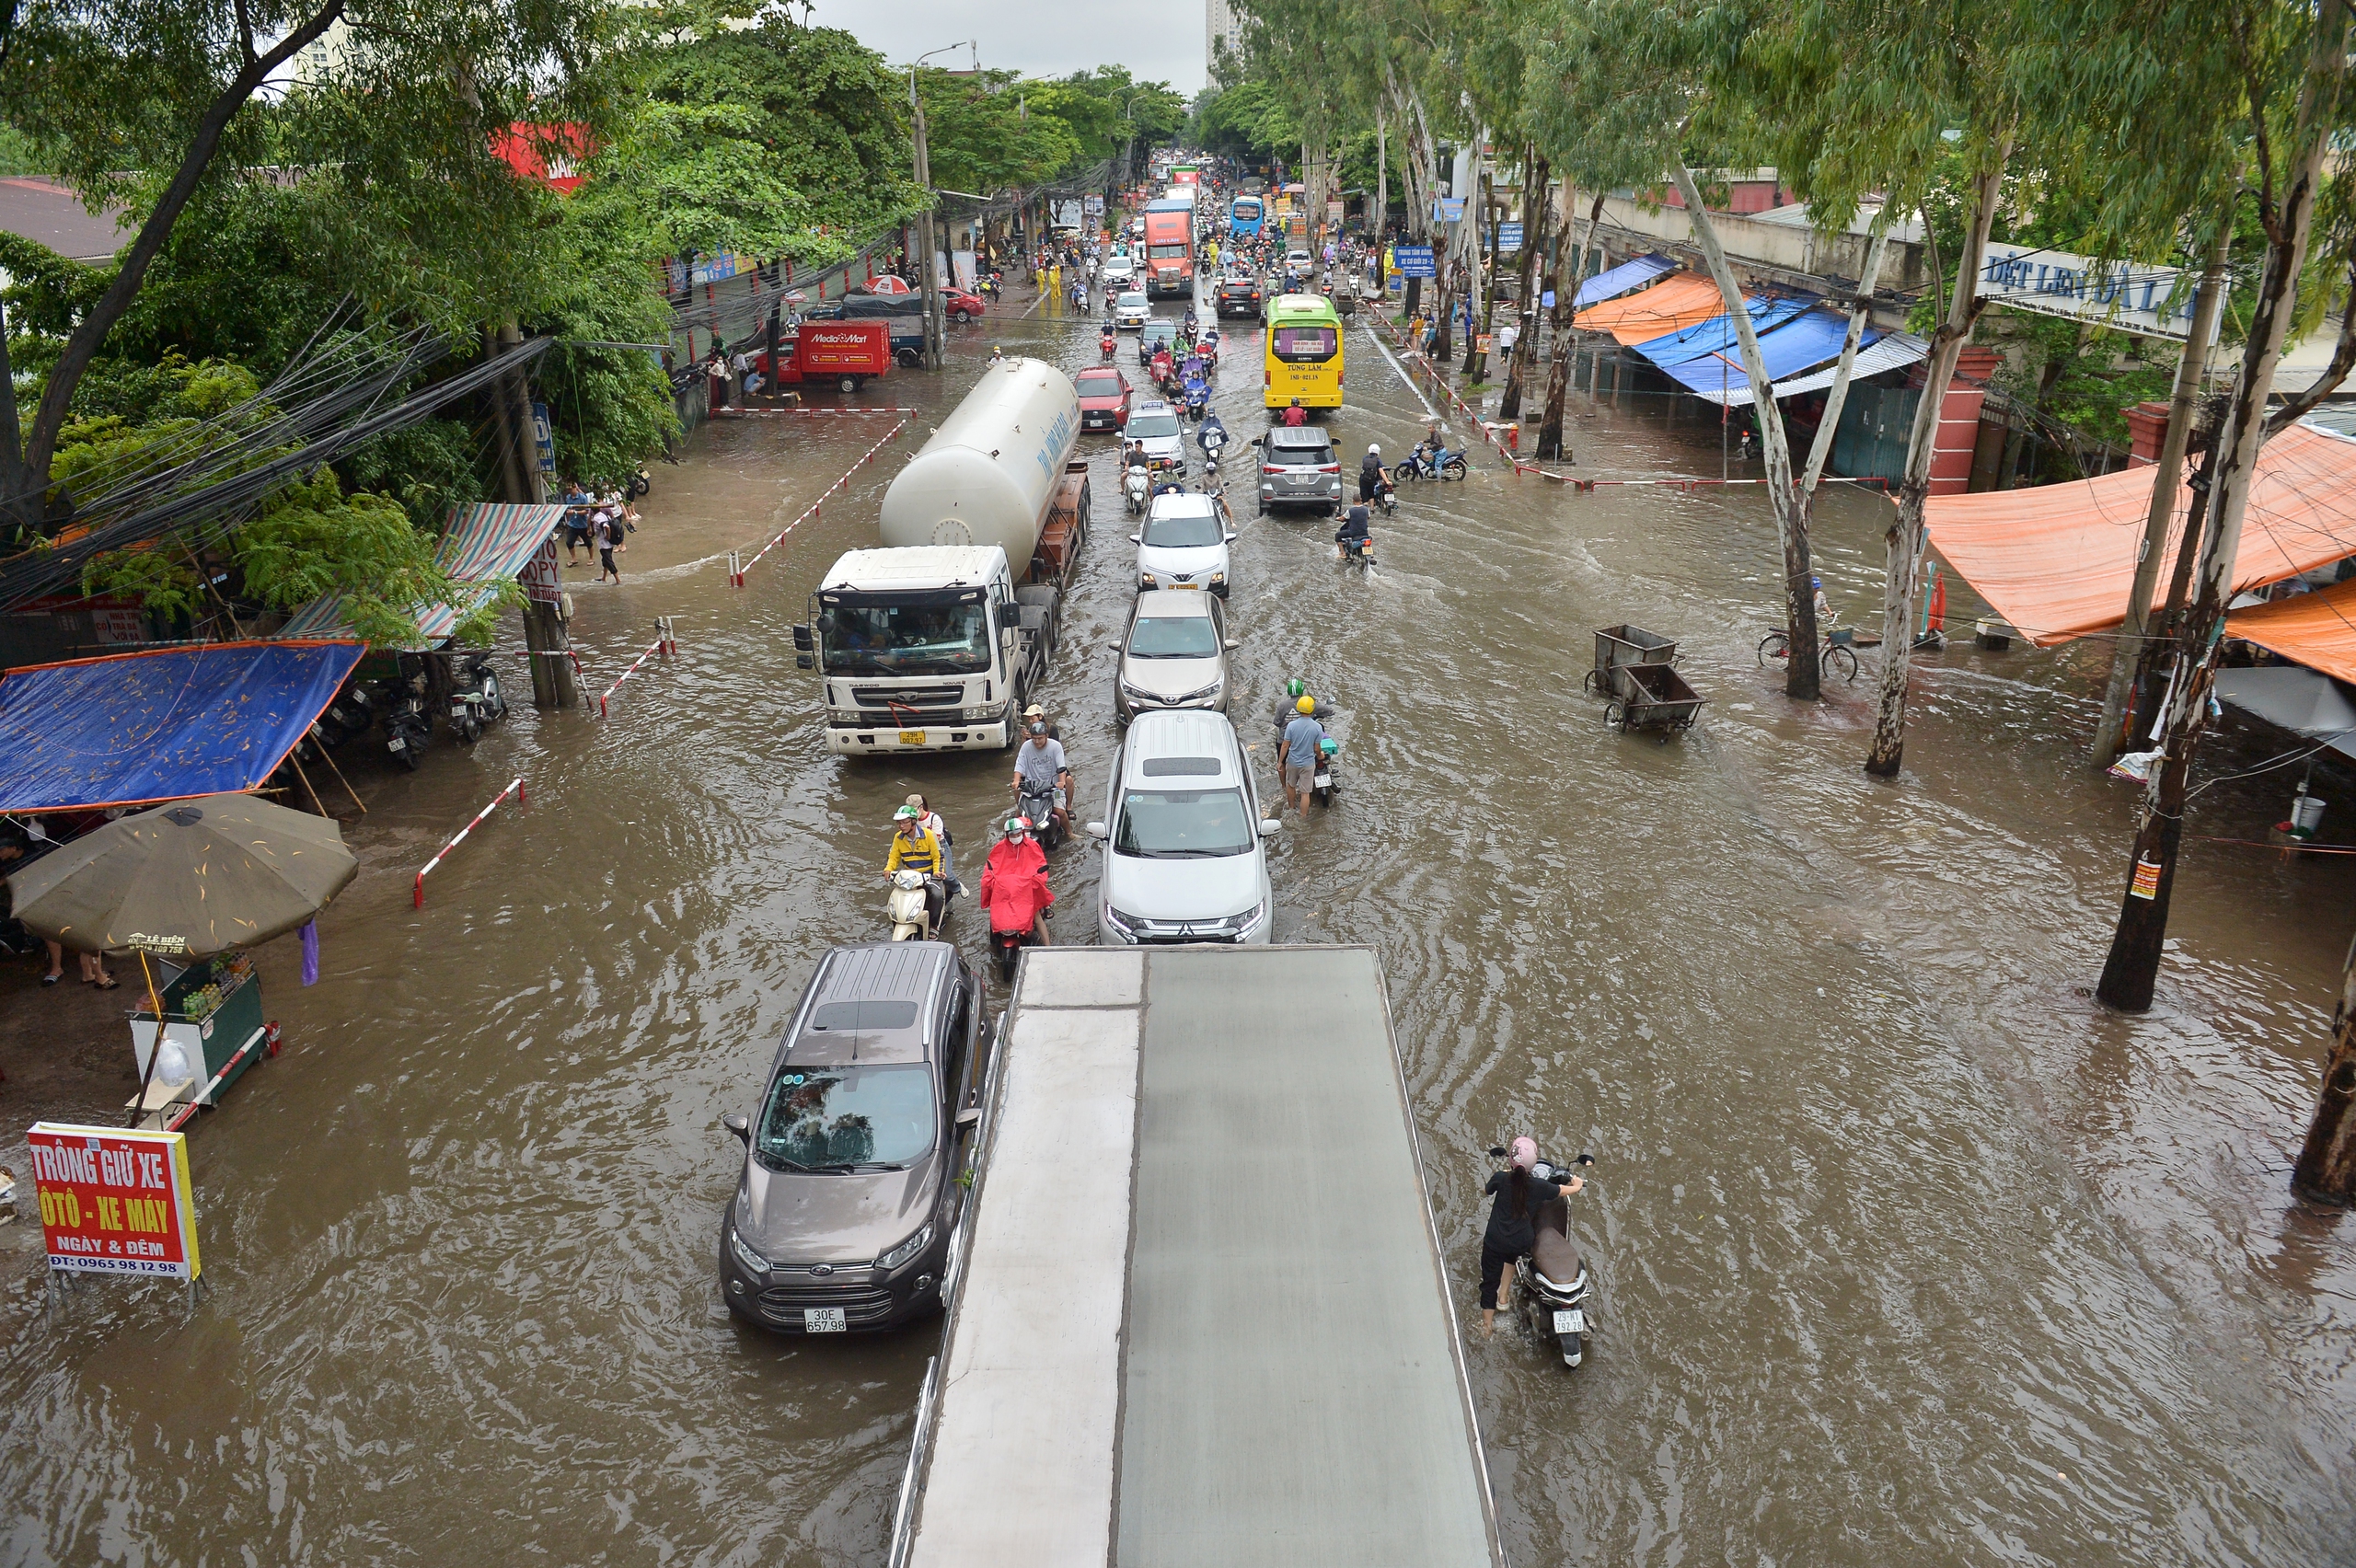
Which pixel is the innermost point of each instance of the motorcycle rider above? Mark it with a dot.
(1293, 414)
(940, 831)
(914, 848)
(1512, 1231)
(1354, 533)
(1015, 880)
(1039, 762)
(1371, 475)
(1210, 436)
(998, 355)
(1297, 757)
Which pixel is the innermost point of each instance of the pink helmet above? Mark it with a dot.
(1524, 1152)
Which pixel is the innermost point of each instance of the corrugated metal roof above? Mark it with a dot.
(1717, 334)
(1893, 352)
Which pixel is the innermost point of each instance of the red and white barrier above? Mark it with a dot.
(664, 643)
(737, 569)
(515, 788)
(821, 412)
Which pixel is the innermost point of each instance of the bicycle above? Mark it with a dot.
(1835, 653)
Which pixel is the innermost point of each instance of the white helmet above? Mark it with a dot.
(1372, 450)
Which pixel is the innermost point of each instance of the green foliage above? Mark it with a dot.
(982, 136)
(429, 468)
(753, 135)
(312, 539)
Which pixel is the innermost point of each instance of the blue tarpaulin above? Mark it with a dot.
(166, 724)
(1804, 342)
(1717, 332)
(1619, 279)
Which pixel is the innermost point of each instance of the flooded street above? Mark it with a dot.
(1907, 1252)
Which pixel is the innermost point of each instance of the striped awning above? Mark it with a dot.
(491, 541)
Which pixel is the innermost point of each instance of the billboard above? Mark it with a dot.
(2150, 302)
(114, 1201)
(1414, 261)
(1509, 237)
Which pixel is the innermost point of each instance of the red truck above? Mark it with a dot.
(1169, 248)
(846, 352)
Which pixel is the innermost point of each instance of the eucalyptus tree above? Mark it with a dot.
(148, 103)
(2276, 74)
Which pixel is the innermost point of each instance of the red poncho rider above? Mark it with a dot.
(1014, 882)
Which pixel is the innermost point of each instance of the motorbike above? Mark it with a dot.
(1040, 806)
(1198, 398)
(475, 702)
(1108, 345)
(350, 714)
(918, 905)
(1321, 786)
(989, 287)
(1387, 498)
(408, 724)
(1137, 488)
(1355, 552)
(1424, 463)
(640, 483)
(1214, 441)
(1550, 1282)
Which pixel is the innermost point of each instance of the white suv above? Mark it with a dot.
(1183, 542)
(1184, 861)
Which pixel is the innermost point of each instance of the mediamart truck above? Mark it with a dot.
(939, 639)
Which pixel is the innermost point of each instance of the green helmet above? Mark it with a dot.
(1295, 688)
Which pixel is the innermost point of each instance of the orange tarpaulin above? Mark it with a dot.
(2056, 561)
(1677, 301)
(2315, 629)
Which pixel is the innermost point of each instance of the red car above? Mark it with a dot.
(1103, 397)
(960, 306)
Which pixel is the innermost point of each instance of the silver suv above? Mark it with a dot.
(1298, 467)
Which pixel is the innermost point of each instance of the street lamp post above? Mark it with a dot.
(927, 278)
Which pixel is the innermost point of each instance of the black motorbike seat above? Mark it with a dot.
(1555, 1255)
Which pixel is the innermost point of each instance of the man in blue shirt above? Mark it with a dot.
(1298, 755)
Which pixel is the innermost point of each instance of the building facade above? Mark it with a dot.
(1221, 26)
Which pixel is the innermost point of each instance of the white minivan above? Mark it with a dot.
(1183, 542)
(1184, 861)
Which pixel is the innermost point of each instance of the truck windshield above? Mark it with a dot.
(909, 639)
(1182, 824)
(831, 1118)
(1168, 252)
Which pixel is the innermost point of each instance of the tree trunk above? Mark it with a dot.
(1570, 272)
(23, 470)
(2326, 1167)
(1802, 678)
(1534, 208)
(1905, 536)
(2132, 970)
(2167, 479)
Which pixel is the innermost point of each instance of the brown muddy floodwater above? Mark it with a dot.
(1907, 1252)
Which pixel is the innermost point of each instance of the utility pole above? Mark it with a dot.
(2167, 482)
(2326, 1167)
(547, 643)
(927, 270)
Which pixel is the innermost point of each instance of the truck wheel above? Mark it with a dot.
(849, 384)
(909, 359)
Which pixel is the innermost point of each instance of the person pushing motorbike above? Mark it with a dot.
(1512, 1230)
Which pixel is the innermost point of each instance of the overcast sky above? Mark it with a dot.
(1038, 38)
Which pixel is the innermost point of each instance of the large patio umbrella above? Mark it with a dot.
(186, 881)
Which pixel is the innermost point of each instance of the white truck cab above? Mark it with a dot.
(932, 647)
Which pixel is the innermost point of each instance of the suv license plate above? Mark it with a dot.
(1571, 1322)
(912, 737)
(829, 1319)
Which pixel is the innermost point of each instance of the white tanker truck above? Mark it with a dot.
(939, 639)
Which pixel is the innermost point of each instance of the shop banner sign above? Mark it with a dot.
(1509, 236)
(544, 438)
(114, 1201)
(1448, 210)
(2148, 302)
(1415, 261)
